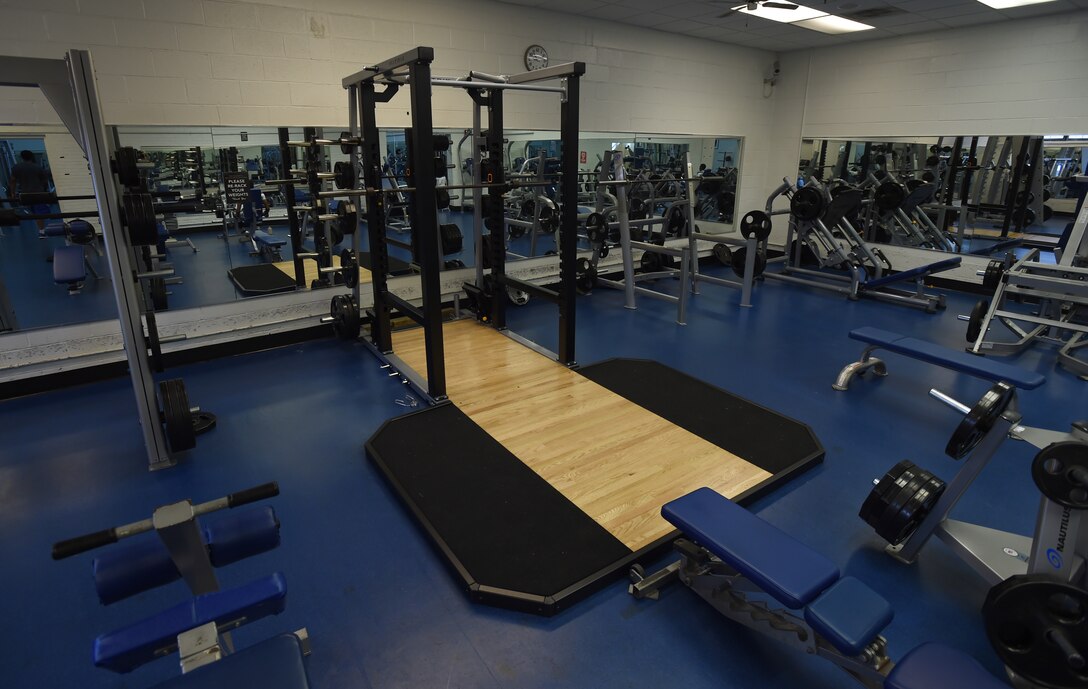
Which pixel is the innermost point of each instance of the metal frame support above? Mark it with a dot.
(568, 223)
(286, 162)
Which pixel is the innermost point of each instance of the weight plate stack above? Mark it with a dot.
(139, 210)
(349, 268)
(346, 321)
(900, 501)
(348, 218)
(740, 259)
(176, 418)
(1060, 472)
(159, 301)
(980, 420)
(995, 270)
(344, 175)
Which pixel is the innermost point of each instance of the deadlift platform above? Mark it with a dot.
(539, 483)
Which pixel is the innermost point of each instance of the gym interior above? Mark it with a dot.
(541, 343)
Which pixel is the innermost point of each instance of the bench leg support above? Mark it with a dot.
(859, 368)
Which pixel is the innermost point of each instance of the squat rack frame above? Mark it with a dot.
(413, 69)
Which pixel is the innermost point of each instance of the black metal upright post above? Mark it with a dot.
(380, 327)
(289, 202)
(568, 225)
(1011, 206)
(950, 184)
(822, 162)
(844, 162)
(425, 223)
(495, 174)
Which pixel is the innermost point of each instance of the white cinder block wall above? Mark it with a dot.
(279, 62)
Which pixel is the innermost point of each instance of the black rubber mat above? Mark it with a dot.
(396, 266)
(504, 526)
(263, 278)
(761, 436)
(513, 539)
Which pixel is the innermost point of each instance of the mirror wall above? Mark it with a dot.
(206, 246)
(980, 192)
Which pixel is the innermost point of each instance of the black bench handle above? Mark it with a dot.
(81, 544)
(261, 492)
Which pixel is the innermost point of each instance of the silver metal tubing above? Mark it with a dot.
(484, 76)
(308, 255)
(166, 272)
(492, 86)
(955, 404)
(173, 338)
(657, 249)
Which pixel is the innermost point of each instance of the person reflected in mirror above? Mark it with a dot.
(28, 177)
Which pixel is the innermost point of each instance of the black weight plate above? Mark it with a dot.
(346, 323)
(807, 203)
(740, 258)
(348, 218)
(636, 209)
(203, 422)
(159, 301)
(928, 177)
(755, 223)
(676, 221)
(995, 270)
(595, 228)
(1025, 198)
(650, 262)
(974, 324)
(585, 283)
(808, 257)
(979, 420)
(877, 500)
(176, 417)
(723, 254)
(346, 149)
(517, 231)
(603, 252)
(128, 172)
(908, 506)
(442, 198)
(139, 217)
(583, 265)
(349, 268)
(1060, 472)
(889, 196)
(1024, 614)
(345, 176)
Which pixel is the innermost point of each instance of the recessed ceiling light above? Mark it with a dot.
(778, 14)
(832, 24)
(1006, 4)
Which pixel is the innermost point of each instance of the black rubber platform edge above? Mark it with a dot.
(445, 439)
(262, 278)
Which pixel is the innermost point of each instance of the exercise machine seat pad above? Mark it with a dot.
(68, 265)
(129, 647)
(849, 615)
(274, 663)
(267, 239)
(949, 358)
(928, 269)
(783, 567)
(123, 571)
(933, 666)
(235, 537)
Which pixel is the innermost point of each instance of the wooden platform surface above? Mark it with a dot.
(614, 459)
(310, 267)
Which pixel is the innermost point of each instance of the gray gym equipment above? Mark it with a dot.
(1059, 547)
(70, 87)
(1062, 293)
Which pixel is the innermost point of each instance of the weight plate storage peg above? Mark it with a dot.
(755, 223)
(807, 203)
(900, 501)
(346, 321)
(740, 260)
(980, 420)
(1060, 472)
(177, 418)
(349, 268)
(974, 323)
(1038, 626)
(723, 254)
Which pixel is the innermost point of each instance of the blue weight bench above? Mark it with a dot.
(912, 274)
(960, 361)
(70, 267)
(759, 576)
(279, 660)
(267, 245)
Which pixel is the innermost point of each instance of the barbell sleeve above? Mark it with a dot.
(954, 403)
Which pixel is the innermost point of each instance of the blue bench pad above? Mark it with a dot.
(274, 663)
(949, 358)
(933, 666)
(782, 566)
(849, 615)
(144, 564)
(68, 265)
(129, 647)
(263, 237)
(928, 269)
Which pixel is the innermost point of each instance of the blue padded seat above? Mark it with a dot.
(779, 564)
(68, 266)
(262, 237)
(274, 663)
(144, 564)
(849, 615)
(129, 647)
(949, 358)
(927, 269)
(933, 666)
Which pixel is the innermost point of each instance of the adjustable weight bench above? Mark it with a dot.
(267, 245)
(759, 576)
(876, 338)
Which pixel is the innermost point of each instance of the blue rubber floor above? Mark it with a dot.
(381, 609)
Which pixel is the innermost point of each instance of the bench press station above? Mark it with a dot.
(890, 341)
(764, 579)
(197, 629)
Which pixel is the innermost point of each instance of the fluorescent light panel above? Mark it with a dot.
(1007, 4)
(808, 18)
